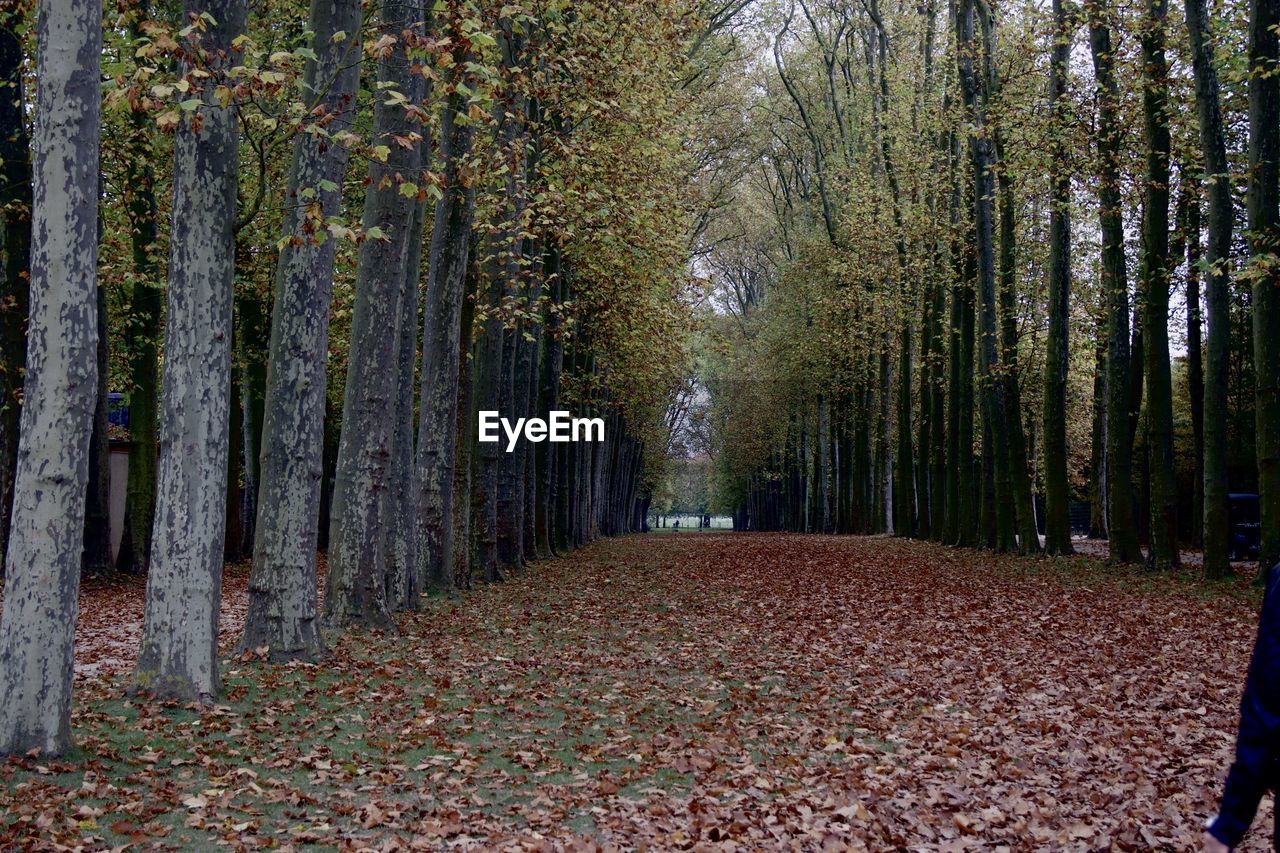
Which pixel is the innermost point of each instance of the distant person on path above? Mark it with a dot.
(676, 526)
(1257, 765)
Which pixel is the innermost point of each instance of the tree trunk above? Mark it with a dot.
(550, 459)
(489, 376)
(142, 333)
(252, 354)
(1056, 486)
(355, 585)
(1120, 520)
(15, 208)
(1155, 286)
(178, 655)
(1190, 229)
(52, 470)
(1020, 492)
(96, 559)
(1218, 292)
(1098, 447)
(1264, 246)
(463, 463)
(404, 569)
(447, 269)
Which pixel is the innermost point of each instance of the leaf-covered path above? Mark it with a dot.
(748, 691)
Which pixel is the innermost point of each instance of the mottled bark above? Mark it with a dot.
(282, 583)
(404, 573)
(45, 536)
(1217, 291)
(448, 263)
(499, 535)
(15, 218)
(355, 586)
(178, 654)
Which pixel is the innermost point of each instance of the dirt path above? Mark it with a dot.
(752, 691)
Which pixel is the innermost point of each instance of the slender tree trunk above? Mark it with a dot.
(96, 558)
(404, 569)
(527, 382)
(927, 426)
(1155, 286)
(1121, 525)
(955, 389)
(488, 379)
(178, 655)
(1190, 228)
(282, 583)
(443, 329)
(252, 353)
(1098, 449)
(463, 465)
(824, 465)
(1218, 292)
(1056, 486)
(550, 460)
(1264, 246)
(15, 217)
(355, 585)
(143, 334)
(232, 536)
(1020, 491)
(47, 529)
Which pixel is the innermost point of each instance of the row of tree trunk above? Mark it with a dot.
(416, 501)
(836, 472)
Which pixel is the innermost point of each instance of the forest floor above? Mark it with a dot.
(726, 690)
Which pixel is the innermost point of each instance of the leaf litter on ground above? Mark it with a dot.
(731, 691)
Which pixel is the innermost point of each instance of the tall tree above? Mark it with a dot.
(404, 571)
(45, 537)
(1121, 525)
(1155, 291)
(1264, 270)
(447, 265)
(15, 212)
(96, 558)
(178, 655)
(974, 84)
(1218, 291)
(1057, 526)
(1188, 228)
(355, 586)
(282, 583)
(146, 297)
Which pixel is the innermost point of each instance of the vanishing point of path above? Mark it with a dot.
(733, 691)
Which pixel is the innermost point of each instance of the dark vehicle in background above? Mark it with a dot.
(1246, 525)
